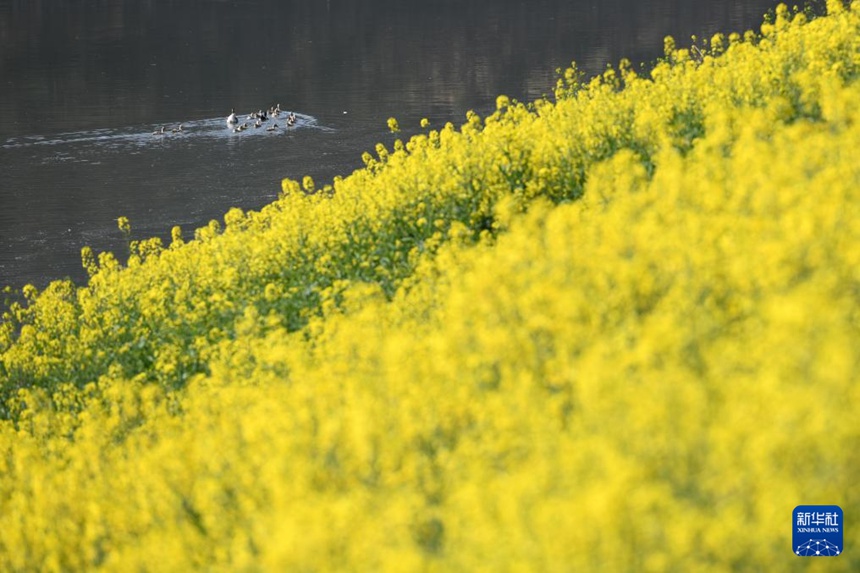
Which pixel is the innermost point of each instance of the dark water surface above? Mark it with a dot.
(83, 84)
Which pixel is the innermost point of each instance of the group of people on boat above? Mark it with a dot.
(259, 118)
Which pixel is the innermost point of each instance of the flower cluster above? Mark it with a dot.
(612, 331)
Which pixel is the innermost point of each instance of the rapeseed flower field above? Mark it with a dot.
(616, 330)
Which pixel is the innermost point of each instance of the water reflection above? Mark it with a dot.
(84, 83)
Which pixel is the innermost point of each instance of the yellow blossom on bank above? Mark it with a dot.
(615, 331)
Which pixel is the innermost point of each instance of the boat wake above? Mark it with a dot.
(143, 136)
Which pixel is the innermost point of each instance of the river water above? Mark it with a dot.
(84, 84)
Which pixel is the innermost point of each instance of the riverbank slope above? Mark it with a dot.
(613, 331)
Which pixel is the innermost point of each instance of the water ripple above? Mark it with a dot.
(143, 136)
